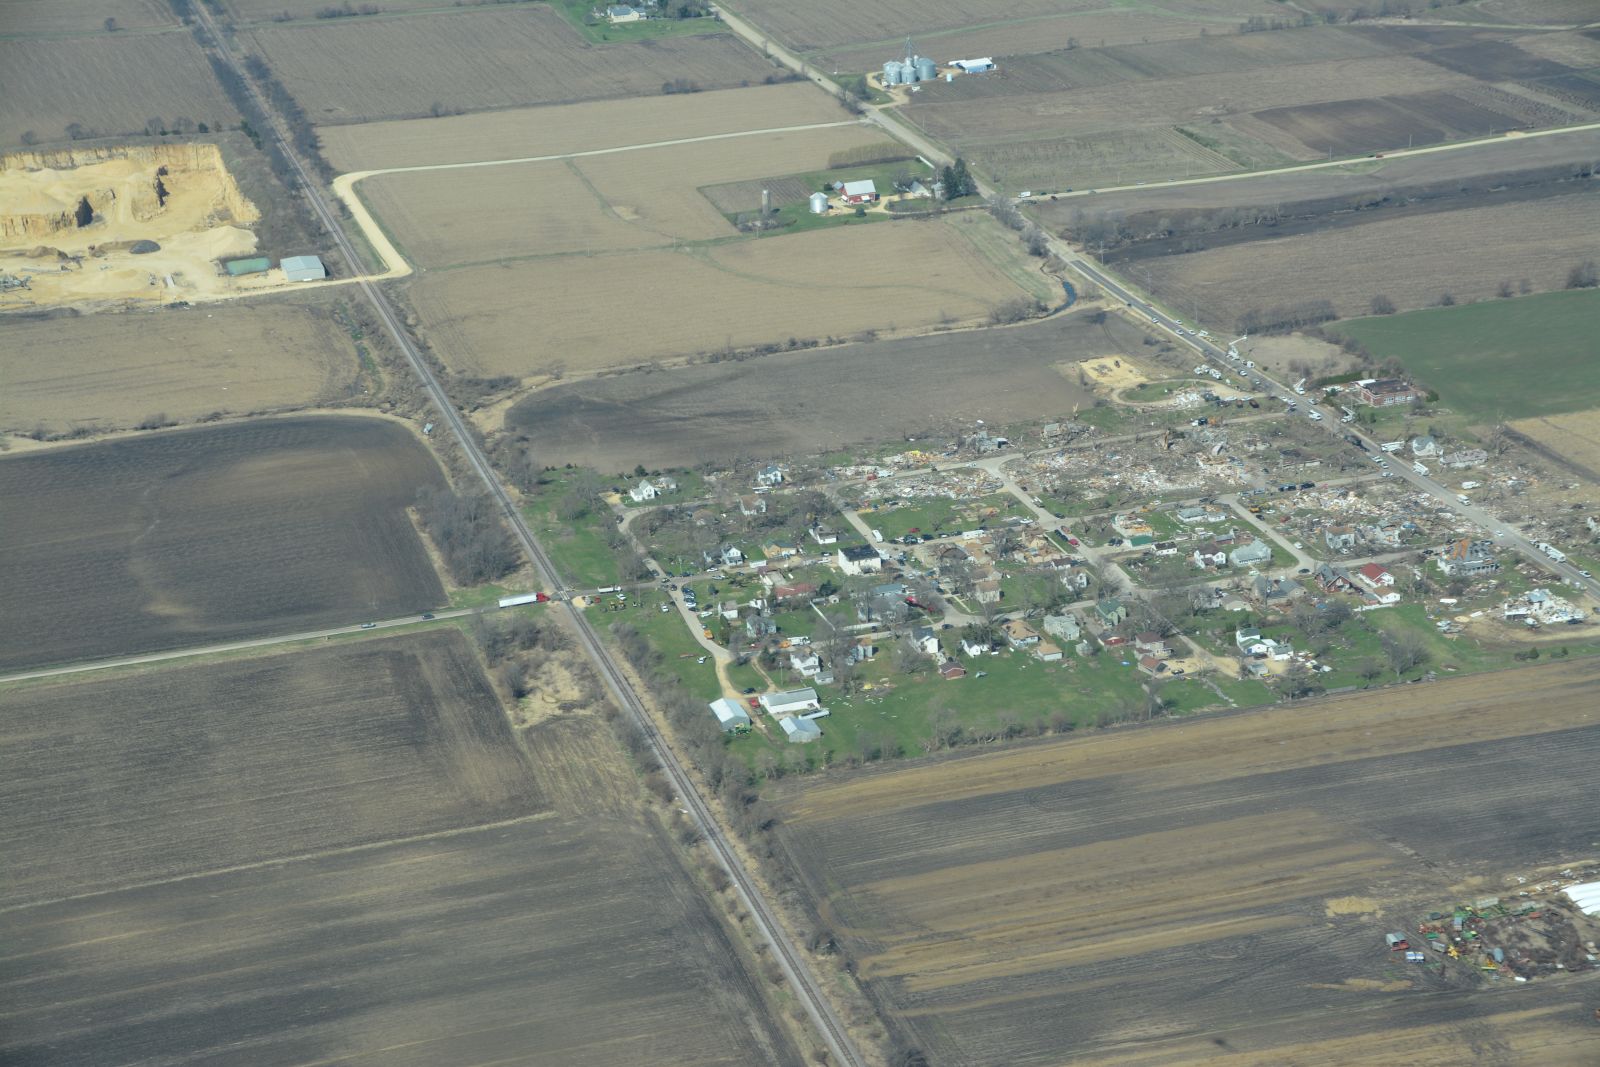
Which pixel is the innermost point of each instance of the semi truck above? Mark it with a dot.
(523, 598)
(1552, 551)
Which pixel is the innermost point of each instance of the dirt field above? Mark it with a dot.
(1164, 895)
(1411, 260)
(110, 84)
(1060, 118)
(472, 59)
(947, 28)
(343, 855)
(24, 18)
(771, 406)
(115, 781)
(115, 372)
(195, 536)
(1511, 158)
(808, 285)
(546, 131)
(638, 199)
(1574, 437)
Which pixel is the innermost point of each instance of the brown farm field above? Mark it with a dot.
(947, 28)
(195, 536)
(551, 131)
(635, 199)
(1413, 260)
(345, 855)
(471, 59)
(1572, 439)
(691, 300)
(1171, 895)
(115, 372)
(771, 406)
(24, 18)
(107, 83)
(1248, 99)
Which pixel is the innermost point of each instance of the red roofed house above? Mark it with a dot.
(1375, 576)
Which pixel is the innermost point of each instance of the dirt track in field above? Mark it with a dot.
(1162, 895)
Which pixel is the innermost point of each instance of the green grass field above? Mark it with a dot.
(1501, 359)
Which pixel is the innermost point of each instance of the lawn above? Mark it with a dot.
(666, 631)
(938, 514)
(577, 13)
(578, 548)
(1501, 359)
(902, 711)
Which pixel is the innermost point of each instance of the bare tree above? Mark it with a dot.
(1404, 651)
(1382, 305)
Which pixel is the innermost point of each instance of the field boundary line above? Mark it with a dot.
(245, 645)
(1510, 137)
(283, 861)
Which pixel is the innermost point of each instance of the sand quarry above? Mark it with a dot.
(73, 218)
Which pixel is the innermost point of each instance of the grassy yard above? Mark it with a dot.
(577, 13)
(578, 548)
(666, 631)
(479, 596)
(901, 712)
(939, 515)
(1500, 359)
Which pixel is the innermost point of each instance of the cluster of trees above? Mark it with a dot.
(306, 142)
(467, 530)
(1287, 317)
(1584, 275)
(679, 85)
(507, 639)
(958, 181)
(1010, 216)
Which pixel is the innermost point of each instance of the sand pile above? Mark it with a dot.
(144, 223)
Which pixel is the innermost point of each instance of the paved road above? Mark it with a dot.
(763, 916)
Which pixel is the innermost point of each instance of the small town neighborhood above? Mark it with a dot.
(1067, 576)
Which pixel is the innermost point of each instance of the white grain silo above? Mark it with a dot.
(819, 203)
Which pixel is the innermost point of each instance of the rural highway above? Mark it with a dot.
(794, 967)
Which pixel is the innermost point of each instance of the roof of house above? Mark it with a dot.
(1373, 571)
(858, 552)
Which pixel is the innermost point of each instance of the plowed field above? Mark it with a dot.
(115, 371)
(195, 536)
(344, 856)
(1162, 895)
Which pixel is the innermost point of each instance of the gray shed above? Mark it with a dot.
(304, 269)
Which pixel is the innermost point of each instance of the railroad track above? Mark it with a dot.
(794, 967)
